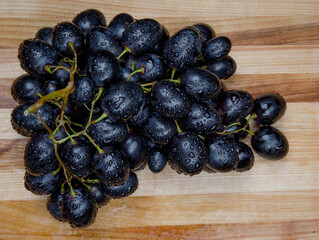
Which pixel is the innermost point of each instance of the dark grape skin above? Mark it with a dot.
(31, 125)
(99, 194)
(158, 129)
(141, 36)
(246, 158)
(35, 55)
(84, 90)
(111, 166)
(106, 132)
(124, 190)
(183, 49)
(122, 100)
(79, 210)
(157, 160)
(88, 19)
(134, 149)
(54, 205)
(200, 84)
(234, 105)
(103, 68)
(119, 23)
(77, 157)
(269, 108)
(270, 143)
(44, 184)
(39, 155)
(216, 48)
(169, 100)
(223, 68)
(44, 34)
(201, 119)
(212, 102)
(50, 86)
(65, 33)
(26, 88)
(152, 66)
(206, 31)
(102, 38)
(141, 117)
(188, 154)
(221, 154)
(158, 49)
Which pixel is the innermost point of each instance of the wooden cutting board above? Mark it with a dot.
(276, 47)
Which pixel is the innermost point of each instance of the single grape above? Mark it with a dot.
(111, 166)
(270, 143)
(80, 209)
(88, 19)
(124, 190)
(188, 154)
(26, 88)
(269, 108)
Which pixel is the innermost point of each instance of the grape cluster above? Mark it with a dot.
(101, 102)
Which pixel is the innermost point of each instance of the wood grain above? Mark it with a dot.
(276, 47)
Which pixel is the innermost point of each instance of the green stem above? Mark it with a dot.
(179, 130)
(83, 182)
(104, 115)
(148, 84)
(202, 137)
(250, 132)
(98, 148)
(55, 68)
(146, 90)
(64, 169)
(122, 53)
(56, 171)
(140, 70)
(92, 180)
(177, 81)
(232, 124)
(173, 73)
(253, 116)
(97, 96)
(86, 107)
(45, 125)
(62, 191)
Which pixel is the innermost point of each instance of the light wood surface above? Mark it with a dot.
(276, 47)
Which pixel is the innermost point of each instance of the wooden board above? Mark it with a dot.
(276, 47)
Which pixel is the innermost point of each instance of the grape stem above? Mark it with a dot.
(179, 130)
(140, 70)
(253, 116)
(202, 137)
(64, 169)
(177, 81)
(148, 84)
(173, 73)
(98, 148)
(123, 52)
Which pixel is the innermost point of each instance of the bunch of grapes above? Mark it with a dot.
(101, 102)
